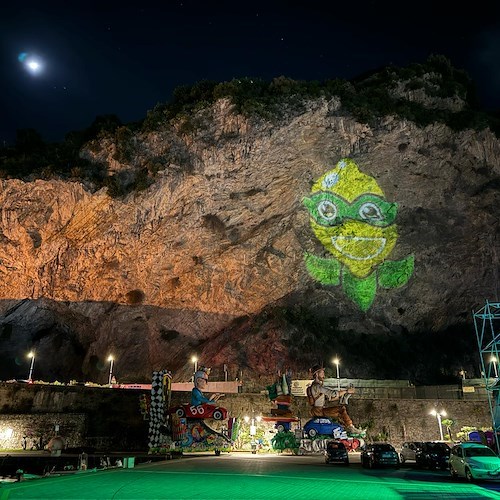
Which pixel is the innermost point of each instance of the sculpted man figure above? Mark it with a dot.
(200, 384)
(318, 394)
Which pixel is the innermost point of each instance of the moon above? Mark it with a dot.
(32, 63)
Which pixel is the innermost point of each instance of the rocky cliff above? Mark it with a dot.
(212, 257)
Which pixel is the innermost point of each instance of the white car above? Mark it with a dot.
(474, 461)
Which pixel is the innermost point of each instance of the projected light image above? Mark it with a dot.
(351, 218)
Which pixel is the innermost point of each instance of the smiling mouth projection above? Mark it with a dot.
(351, 218)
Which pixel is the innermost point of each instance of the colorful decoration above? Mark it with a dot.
(189, 429)
(233, 428)
(282, 416)
(319, 444)
(160, 391)
(144, 405)
(196, 435)
(200, 384)
(317, 395)
(285, 441)
(354, 222)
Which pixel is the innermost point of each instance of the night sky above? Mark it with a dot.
(123, 58)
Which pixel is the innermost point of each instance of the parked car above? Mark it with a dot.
(431, 454)
(202, 411)
(336, 453)
(324, 426)
(409, 451)
(474, 461)
(379, 455)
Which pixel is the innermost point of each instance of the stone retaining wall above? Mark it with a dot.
(396, 420)
(111, 417)
(34, 431)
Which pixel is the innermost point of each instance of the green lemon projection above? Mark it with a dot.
(354, 222)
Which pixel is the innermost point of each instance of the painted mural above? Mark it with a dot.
(355, 223)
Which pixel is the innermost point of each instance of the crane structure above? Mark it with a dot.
(487, 326)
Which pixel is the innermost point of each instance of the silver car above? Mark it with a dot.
(409, 451)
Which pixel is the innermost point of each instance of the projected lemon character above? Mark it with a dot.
(354, 222)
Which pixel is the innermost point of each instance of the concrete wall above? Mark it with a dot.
(111, 419)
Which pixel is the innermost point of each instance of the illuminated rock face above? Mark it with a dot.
(210, 258)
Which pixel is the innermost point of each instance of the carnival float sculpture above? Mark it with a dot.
(327, 422)
(282, 416)
(185, 426)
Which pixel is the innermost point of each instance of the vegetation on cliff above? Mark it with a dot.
(367, 98)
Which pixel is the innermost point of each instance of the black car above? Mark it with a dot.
(336, 453)
(379, 455)
(433, 455)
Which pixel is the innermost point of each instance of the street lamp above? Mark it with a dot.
(439, 414)
(463, 373)
(194, 360)
(253, 431)
(494, 360)
(337, 363)
(31, 355)
(110, 359)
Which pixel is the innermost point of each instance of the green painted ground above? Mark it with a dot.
(160, 480)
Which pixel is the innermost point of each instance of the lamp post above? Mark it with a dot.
(463, 373)
(494, 360)
(31, 355)
(253, 431)
(439, 414)
(337, 363)
(111, 360)
(194, 360)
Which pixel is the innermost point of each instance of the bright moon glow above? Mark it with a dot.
(31, 63)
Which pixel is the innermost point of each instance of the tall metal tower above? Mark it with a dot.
(487, 325)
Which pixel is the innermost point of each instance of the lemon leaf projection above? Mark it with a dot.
(392, 274)
(360, 290)
(355, 223)
(326, 271)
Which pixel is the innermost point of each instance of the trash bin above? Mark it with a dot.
(128, 462)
